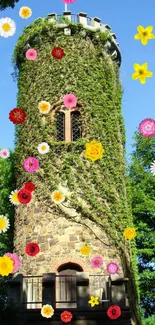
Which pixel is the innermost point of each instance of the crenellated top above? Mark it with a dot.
(92, 24)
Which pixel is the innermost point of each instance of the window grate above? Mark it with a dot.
(75, 126)
(60, 126)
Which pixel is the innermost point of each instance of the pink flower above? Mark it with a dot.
(4, 153)
(16, 260)
(31, 54)
(97, 262)
(147, 127)
(68, 1)
(112, 268)
(31, 164)
(70, 101)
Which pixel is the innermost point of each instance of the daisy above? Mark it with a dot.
(7, 27)
(4, 153)
(152, 168)
(4, 224)
(57, 197)
(25, 12)
(44, 107)
(47, 311)
(43, 148)
(13, 197)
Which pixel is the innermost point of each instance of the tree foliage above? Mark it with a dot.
(7, 3)
(143, 207)
(7, 184)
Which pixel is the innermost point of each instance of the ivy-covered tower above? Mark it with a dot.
(96, 209)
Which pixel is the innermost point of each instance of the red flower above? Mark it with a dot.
(57, 53)
(17, 116)
(66, 316)
(29, 186)
(24, 196)
(32, 249)
(114, 312)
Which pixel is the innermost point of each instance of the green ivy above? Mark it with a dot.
(91, 75)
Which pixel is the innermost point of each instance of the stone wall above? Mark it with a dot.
(59, 240)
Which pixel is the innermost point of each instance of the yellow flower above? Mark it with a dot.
(141, 72)
(44, 107)
(57, 197)
(6, 265)
(94, 150)
(4, 224)
(47, 311)
(129, 233)
(93, 301)
(85, 250)
(25, 12)
(13, 197)
(144, 34)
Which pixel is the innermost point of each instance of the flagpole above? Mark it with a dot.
(65, 7)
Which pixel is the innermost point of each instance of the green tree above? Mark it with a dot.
(7, 3)
(7, 184)
(143, 207)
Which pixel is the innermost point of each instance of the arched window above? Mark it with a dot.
(68, 124)
(75, 126)
(67, 286)
(60, 125)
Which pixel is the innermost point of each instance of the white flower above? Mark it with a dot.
(4, 224)
(4, 153)
(152, 168)
(13, 198)
(44, 107)
(7, 27)
(43, 148)
(57, 197)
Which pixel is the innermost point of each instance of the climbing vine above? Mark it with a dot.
(99, 190)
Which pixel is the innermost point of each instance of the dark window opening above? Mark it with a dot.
(75, 126)
(67, 286)
(60, 126)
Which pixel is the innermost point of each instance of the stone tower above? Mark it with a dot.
(96, 209)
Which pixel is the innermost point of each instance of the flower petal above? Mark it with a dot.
(140, 29)
(137, 36)
(135, 75)
(144, 66)
(151, 36)
(149, 29)
(144, 40)
(136, 66)
(142, 80)
(148, 73)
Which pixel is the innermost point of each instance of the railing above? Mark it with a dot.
(68, 291)
(73, 17)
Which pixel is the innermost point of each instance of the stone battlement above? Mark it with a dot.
(92, 24)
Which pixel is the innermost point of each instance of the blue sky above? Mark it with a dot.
(123, 17)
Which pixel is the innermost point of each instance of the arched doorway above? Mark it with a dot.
(66, 293)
